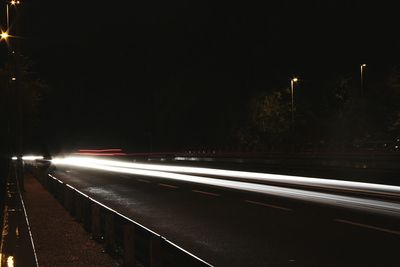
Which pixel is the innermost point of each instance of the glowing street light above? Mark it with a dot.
(362, 67)
(11, 3)
(292, 82)
(4, 35)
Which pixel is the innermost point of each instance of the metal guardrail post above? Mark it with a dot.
(47, 184)
(78, 201)
(129, 245)
(110, 234)
(86, 214)
(67, 198)
(96, 222)
(59, 191)
(155, 251)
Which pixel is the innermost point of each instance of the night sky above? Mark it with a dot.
(112, 67)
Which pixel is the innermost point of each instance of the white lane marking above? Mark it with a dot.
(169, 186)
(369, 226)
(268, 205)
(206, 193)
(144, 181)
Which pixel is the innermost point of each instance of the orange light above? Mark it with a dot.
(100, 150)
(4, 35)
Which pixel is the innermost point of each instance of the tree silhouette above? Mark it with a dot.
(30, 96)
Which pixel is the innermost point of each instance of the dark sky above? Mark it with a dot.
(110, 64)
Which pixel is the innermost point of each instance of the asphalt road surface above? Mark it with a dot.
(227, 227)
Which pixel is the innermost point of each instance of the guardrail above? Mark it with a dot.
(131, 243)
(346, 161)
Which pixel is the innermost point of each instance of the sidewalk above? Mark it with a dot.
(58, 239)
(16, 243)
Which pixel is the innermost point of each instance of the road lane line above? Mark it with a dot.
(206, 193)
(169, 186)
(144, 181)
(369, 226)
(268, 205)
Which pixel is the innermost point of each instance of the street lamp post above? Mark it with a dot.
(11, 3)
(362, 67)
(292, 82)
(5, 36)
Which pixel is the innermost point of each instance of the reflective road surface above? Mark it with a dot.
(231, 221)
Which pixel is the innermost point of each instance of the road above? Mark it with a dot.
(230, 227)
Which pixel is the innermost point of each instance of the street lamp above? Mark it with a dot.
(292, 82)
(11, 3)
(4, 36)
(362, 67)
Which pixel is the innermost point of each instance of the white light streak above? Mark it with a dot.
(370, 205)
(28, 158)
(341, 185)
(10, 261)
(31, 158)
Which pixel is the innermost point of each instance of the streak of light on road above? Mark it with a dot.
(370, 205)
(361, 187)
(29, 158)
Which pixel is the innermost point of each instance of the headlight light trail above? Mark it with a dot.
(251, 176)
(370, 205)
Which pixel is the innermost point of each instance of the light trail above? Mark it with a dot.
(370, 205)
(29, 158)
(349, 186)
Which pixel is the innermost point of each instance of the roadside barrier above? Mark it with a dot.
(131, 243)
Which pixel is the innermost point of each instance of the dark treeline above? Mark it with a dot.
(192, 112)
